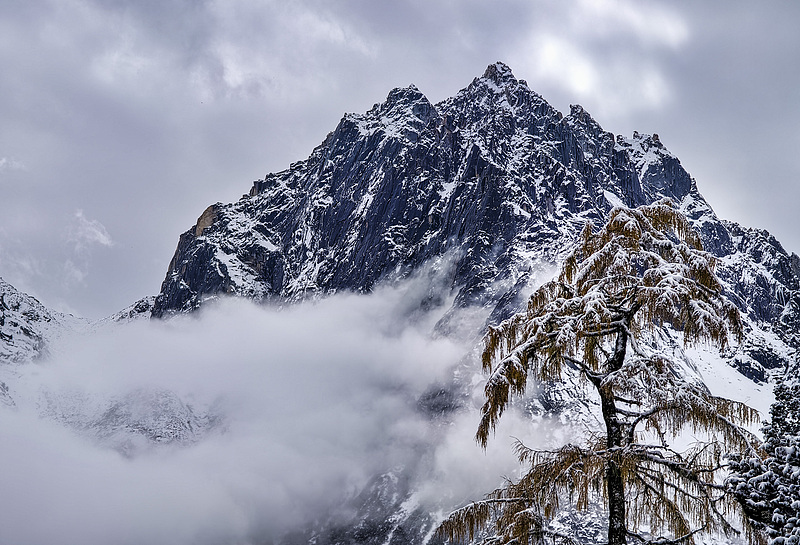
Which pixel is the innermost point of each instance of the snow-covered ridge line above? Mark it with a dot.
(494, 173)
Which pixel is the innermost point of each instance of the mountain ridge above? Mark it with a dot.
(494, 175)
(408, 179)
(27, 326)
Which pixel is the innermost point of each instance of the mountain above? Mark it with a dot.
(494, 175)
(495, 179)
(27, 327)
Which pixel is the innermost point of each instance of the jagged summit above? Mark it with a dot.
(411, 92)
(579, 117)
(401, 96)
(500, 87)
(500, 74)
(405, 112)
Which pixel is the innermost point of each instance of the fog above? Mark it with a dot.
(304, 404)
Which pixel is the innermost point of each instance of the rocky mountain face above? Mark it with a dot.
(494, 177)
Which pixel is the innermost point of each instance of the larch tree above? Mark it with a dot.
(645, 269)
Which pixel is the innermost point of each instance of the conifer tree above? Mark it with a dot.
(769, 487)
(643, 270)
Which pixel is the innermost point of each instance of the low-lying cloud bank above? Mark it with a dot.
(311, 401)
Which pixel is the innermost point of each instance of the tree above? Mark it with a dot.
(645, 269)
(769, 487)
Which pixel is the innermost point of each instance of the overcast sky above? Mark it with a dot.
(120, 121)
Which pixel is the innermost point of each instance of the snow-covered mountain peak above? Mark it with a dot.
(404, 114)
(658, 169)
(501, 75)
(498, 87)
(402, 100)
(497, 93)
(493, 175)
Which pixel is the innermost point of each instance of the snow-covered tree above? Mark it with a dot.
(645, 269)
(769, 488)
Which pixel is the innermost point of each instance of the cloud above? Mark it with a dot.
(610, 54)
(75, 272)
(314, 400)
(618, 86)
(651, 23)
(86, 233)
(7, 163)
(224, 50)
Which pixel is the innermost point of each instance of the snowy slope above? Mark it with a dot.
(26, 326)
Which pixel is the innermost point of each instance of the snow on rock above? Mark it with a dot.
(27, 327)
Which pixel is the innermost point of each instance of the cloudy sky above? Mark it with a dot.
(122, 120)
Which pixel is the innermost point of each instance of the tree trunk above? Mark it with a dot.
(617, 527)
